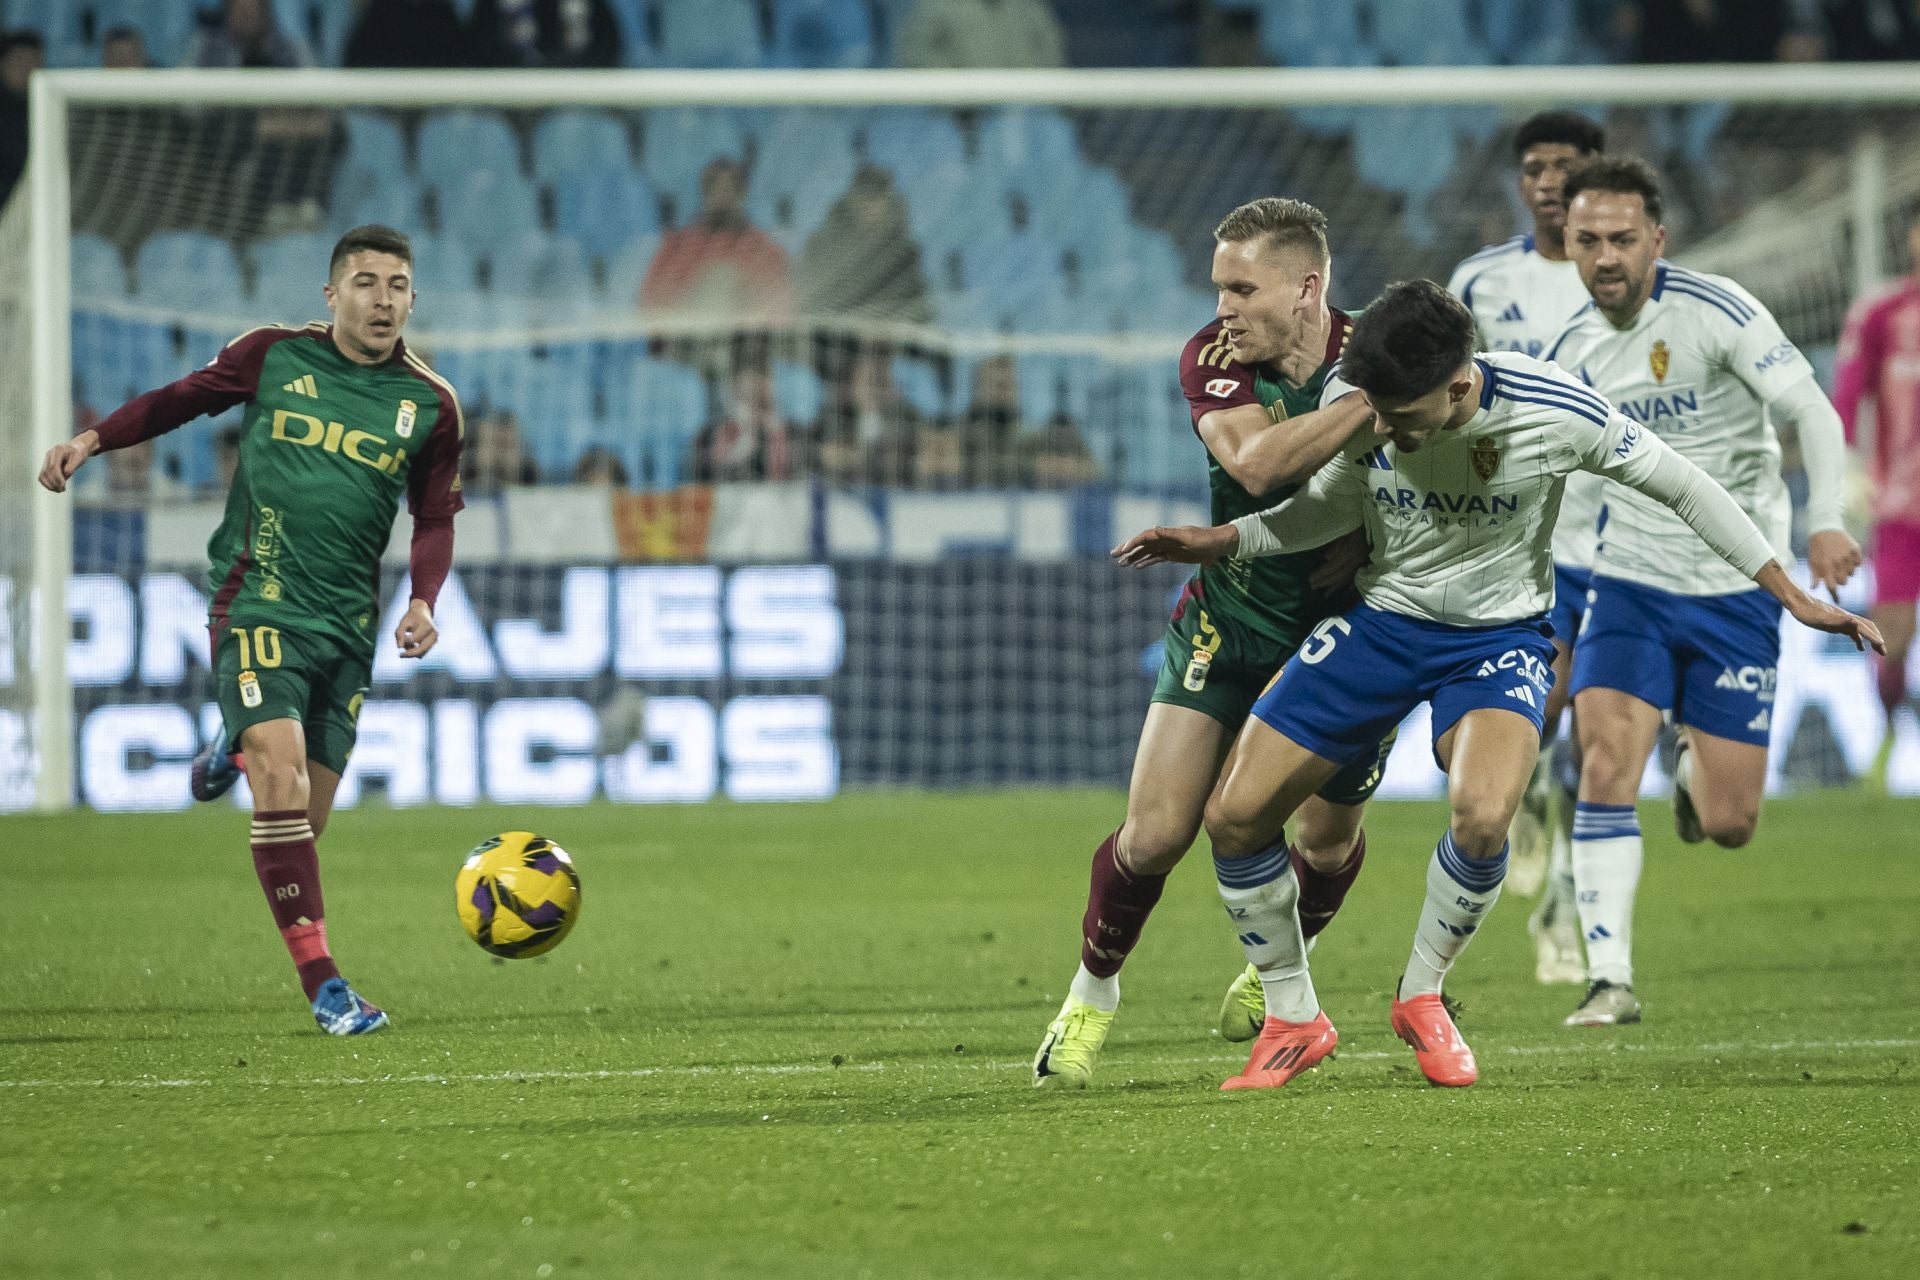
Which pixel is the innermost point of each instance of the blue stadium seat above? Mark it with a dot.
(1299, 33)
(443, 265)
(625, 270)
(288, 271)
(360, 198)
(322, 25)
(549, 272)
(453, 144)
(1054, 384)
(374, 146)
(1032, 140)
(97, 269)
(919, 386)
(487, 208)
(188, 271)
(1511, 28)
(680, 141)
(605, 209)
(822, 33)
(1093, 208)
(795, 182)
(1408, 32)
(798, 392)
(1342, 119)
(165, 28)
(1021, 264)
(948, 209)
(568, 142)
(554, 405)
(910, 139)
(1145, 264)
(657, 409)
(636, 39)
(1405, 149)
(709, 33)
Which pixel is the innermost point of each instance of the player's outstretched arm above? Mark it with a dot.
(1812, 611)
(65, 458)
(1263, 456)
(1178, 544)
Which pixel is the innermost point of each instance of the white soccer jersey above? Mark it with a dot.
(1521, 301)
(1697, 366)
(1461, 529)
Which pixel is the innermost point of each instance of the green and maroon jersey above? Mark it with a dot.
(327, 446)
(1269, 594)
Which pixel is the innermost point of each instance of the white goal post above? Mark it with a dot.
(1852, 201)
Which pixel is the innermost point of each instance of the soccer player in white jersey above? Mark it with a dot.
(1705, 367)
(1460, 508)
(1522, 292)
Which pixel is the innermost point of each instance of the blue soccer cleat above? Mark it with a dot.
(214, 770)
(340, 1012)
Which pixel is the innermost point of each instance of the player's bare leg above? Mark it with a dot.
(1531, 837)
(1327, 851)
(1489, 757)
(1268, 777)
(1174, 770)
(288, 865)
(1895, 618)
(1617, 733)
(1725, 782)
(1555, 922)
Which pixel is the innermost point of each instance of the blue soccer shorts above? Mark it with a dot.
(1711, 660)
(1569, 602)
(1359, 675)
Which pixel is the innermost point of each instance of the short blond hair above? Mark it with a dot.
(1285, 224)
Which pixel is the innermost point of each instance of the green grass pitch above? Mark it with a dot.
(794, 1041)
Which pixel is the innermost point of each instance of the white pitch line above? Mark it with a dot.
(1596, 1049)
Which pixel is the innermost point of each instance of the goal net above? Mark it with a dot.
(801, 408)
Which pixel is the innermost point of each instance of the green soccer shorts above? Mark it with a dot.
(1220, 667)
(265, 673)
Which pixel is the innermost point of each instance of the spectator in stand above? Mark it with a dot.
(1056, 457)
(545, 33)
(991, 424)
(21, 54)
(979, 33)
(601, 468)
(409, 33)
(244, 33)
(494, 458)
(1871, 30)
(123, 49)
(720, 263)
(867, 429)
(753, 442)
(862, 262)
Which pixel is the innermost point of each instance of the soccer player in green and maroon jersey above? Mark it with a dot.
(340, 420)
(1254, 380)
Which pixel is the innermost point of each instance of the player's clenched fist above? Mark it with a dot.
(64, 459)
(416, 633)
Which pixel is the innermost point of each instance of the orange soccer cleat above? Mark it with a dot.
(1443, 1056)
(1284, 1050)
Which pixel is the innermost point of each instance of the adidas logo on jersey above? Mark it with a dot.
(1520, 693)
(303, 386)
(1512, 314)
(1762, 723)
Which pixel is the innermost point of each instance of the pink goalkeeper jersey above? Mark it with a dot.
(1880, 360)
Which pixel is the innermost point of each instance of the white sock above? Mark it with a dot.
(1090, 988)
(1606, 872)
(1460, 892)
(1262, 899)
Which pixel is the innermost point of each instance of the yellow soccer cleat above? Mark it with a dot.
(1071, 1050)
(1244, 1010)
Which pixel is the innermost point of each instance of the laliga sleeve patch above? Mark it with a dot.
(1221, 388)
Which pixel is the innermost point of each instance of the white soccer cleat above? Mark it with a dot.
(1608, 1004)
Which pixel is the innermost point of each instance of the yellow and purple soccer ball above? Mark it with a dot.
(518, 895)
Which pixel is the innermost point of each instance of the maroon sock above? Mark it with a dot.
(1322, 892)
(1891, 679)
(1118, 904)
(288, 865)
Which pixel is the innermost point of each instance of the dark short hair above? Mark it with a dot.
(1408, 341)
(1568, 128)
(373, 237)
(1619, 176)
(1283, 223)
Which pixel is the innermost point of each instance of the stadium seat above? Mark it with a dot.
(322, 25)
(908, 140)
(549, 272)
(605, 209)
(374, 142)
(1341, 119)
(1415, 32)
(188, 271)
(625, 270)
(795, 182)
(166, 29)
(1405, 149)
(98, 270)
(948, 209)
(919, 386)
(657, 410)
(579, 142)
(288, 271)
(680, 142)
(822, 33)
(1092, 208)
(797, 392)
(444, 265)
(709, 33)
(1022, 265)
(1298, 33)
(1513, 29)
(488, 208)
(1054, 384)
(359, 197)
(453, 144)
(1027, 140)
(554, 405)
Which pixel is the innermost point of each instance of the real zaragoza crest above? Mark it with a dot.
(1659, 358)
(1486, 458)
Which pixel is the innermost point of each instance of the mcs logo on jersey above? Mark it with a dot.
(334, 437)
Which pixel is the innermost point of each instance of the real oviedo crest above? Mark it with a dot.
(403, 421)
